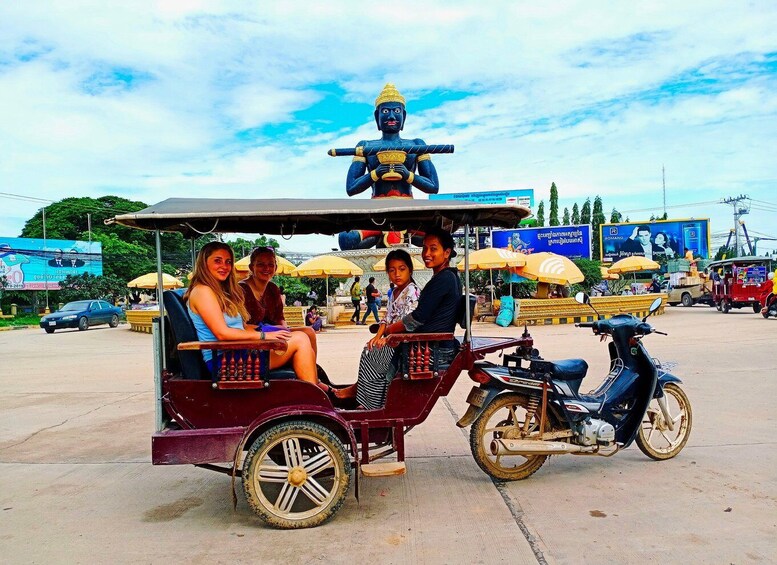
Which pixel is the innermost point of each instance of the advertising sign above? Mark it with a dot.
(571, 241)
(28, 264)
(661, 239)
(522, 197)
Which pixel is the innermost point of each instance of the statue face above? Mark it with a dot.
(390, 117)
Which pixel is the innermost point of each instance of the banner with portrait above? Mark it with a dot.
(37, 264)
(660, 240)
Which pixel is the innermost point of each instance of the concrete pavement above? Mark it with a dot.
(76, 415)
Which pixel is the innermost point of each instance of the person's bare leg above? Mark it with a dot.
(300, 353)
(308, 331)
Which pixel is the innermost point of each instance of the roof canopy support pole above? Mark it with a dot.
(467, 313)
(160, 288)
(194, 252)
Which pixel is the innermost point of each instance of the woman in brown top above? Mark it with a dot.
(263, 297)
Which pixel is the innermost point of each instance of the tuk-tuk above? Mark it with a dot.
(740, 282)
(294, 450)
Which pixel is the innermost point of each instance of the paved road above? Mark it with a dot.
(76, 485)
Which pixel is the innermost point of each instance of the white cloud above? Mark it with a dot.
(570, 92)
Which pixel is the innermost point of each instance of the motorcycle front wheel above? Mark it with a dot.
(505, 418)
(655, 439)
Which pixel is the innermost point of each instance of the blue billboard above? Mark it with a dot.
(570, 241)
(522, 197)
(32, 264)
(658, 240)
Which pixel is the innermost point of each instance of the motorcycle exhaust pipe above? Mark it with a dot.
(532, 447)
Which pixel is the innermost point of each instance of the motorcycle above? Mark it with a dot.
(529, 408)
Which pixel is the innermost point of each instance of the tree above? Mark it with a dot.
(86, 286)
(540, 215)
(575, 214)
(585, 212)
(591, 271)
(597, 219)
(566, 216)
(244, 247)
(127, 252)
(615, 216)
(553, 216)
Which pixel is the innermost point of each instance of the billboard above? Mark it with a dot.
(571, 241)
(522, 197)
(32, 264)
(657, 240)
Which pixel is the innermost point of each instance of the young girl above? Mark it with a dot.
(376, 363)
(215, 303)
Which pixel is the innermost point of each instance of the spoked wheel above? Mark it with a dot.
(305, 486)
(655, 439)
(505, 418)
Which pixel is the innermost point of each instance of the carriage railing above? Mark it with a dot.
(242, 364)
(418, 354)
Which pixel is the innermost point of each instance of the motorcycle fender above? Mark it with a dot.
(479, 397)
(664, 378)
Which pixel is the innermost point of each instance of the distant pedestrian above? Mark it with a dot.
(356, 299)
(372, 305)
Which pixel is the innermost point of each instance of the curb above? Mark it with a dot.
(9, 328)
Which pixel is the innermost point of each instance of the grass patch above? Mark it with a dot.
(21, 320)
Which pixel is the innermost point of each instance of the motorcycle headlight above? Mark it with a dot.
(72, 317)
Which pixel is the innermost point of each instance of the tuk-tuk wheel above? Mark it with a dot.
(725, 306)
(308, 484)
(757, 308)
(504, 418)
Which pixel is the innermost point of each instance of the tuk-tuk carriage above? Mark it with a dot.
(294, 450)
(739, 282)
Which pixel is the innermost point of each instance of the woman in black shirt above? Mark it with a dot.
(436, 310)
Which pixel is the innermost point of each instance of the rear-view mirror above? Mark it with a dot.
(582, 298)
(655, 305)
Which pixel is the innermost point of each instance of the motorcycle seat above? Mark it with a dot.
(569, 369)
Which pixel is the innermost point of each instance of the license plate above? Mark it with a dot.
(477, 396)
(52, 323)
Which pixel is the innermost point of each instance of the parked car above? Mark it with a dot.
(81, 314)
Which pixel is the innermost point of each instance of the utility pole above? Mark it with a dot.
(739, 211)
(45, 264)
(663, 182)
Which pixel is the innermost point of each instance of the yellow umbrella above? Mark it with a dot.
(550, 268)
(285, 267)
(493, 258)
(381, 265)
(607, 275)
(633, 264)
(325, 266)
(149, 280)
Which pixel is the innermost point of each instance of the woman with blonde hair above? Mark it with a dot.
(215, 304)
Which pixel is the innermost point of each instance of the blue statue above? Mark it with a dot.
(391, 166)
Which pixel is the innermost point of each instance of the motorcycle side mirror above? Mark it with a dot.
(582, 298)
(655, 305)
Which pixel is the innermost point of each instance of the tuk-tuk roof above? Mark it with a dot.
(743, 259)
(288, 216)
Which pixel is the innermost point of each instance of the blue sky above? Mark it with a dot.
(157, 99)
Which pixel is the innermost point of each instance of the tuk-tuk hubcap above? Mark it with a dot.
(297, 476)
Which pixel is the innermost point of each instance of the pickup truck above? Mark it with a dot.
(688, 295)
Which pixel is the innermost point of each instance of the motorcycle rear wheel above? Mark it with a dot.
(504, 418)
(654, 438)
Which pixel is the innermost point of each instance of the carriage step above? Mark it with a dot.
(390, 469)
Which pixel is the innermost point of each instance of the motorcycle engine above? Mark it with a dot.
(595, 432)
